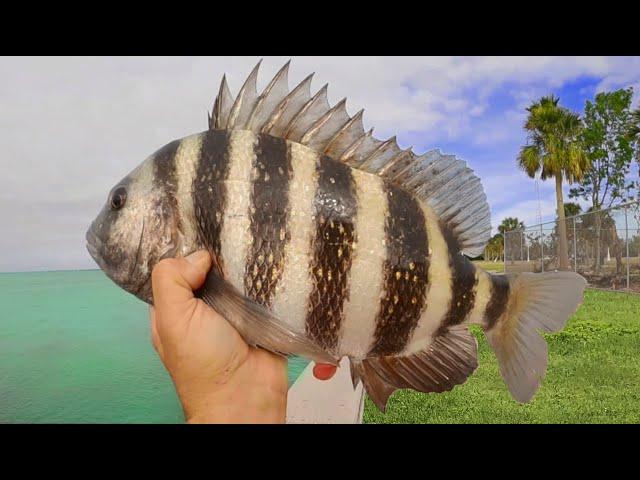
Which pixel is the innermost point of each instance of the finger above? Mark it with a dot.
(324, 371)
(155, 338)
(173, 280)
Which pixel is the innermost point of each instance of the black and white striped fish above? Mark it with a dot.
(328, 242)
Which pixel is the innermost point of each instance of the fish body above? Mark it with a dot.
(329, 243)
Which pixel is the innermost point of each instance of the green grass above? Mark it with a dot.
(490, 266)
(593, 376)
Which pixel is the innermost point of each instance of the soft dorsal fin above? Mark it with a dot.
(444, 182)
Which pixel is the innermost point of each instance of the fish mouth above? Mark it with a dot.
(94, 245)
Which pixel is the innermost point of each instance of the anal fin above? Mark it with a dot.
(377, 388)
(447, 362)
(256, 324)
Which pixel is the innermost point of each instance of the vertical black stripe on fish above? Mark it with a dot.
(336, 208)
(269, 214)
(164, 178)
(209, 190)
(498, 301)
(405, 273)
(463, 282)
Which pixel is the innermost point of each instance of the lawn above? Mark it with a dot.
(593, 376)
(497, 267)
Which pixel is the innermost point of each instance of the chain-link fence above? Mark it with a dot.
(603, 246)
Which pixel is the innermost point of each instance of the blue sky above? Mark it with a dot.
(72, 127)
(510, 192)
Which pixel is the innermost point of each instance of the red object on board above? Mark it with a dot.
(324, 371)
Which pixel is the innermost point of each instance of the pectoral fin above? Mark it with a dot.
(256, 324)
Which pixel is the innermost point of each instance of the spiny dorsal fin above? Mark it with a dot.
(444, 182)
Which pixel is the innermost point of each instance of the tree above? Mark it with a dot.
(495, 248)
(554, 150)
(510, 223)
(572, 209)
(606, 140)
(513, 244)
(600, 233)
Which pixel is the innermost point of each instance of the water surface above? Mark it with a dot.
(75, 348)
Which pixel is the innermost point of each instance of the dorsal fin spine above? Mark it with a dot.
(322, 121)
(303, 90)
(342, 131)
(404, 155)
(351, 149)
(248, 88)
(369, 163)
(280, 76)
(312, 101)
(218, 115)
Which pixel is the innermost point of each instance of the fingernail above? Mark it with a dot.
(197, 257)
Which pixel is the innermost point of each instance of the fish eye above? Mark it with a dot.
(118, 198)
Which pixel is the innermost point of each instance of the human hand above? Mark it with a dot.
(218, 377)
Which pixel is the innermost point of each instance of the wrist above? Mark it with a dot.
(247, 393)
(236, 403)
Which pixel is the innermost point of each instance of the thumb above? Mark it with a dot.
(173, 280)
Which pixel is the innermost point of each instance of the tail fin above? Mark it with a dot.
(537, 301)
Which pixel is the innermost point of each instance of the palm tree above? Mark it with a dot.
(572, 209)
(495, 248)
(510, 223)
(554, 150)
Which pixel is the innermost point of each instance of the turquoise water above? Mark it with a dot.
(74, 348)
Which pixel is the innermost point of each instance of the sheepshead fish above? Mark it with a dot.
(328, 243)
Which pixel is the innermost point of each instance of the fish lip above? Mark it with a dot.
(94, 246)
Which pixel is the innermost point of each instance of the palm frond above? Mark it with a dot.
(530, 160)
(554, 147)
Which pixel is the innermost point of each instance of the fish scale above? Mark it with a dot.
(328, 242)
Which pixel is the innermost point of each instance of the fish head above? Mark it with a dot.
(135, 229)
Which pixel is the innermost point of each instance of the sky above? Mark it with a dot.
(71, 127)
